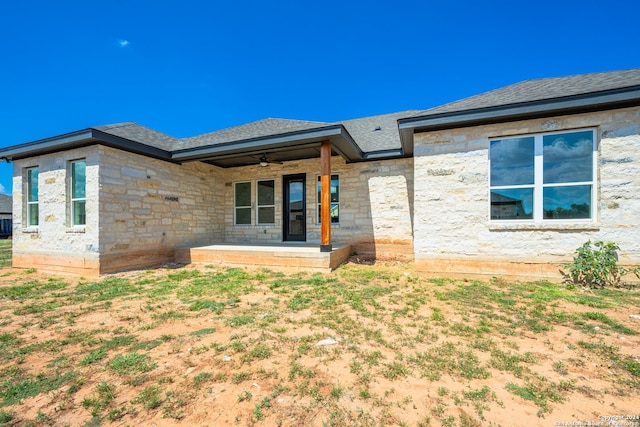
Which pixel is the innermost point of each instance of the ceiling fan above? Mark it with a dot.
(264, 161)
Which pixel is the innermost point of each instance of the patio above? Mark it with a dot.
(274, 256)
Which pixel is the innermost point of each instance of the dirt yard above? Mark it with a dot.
(368, 345)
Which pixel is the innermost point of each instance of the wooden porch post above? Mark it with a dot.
(325, 197)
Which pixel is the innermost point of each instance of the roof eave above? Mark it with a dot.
(80, 139)
(393, 153)
(605, 100)
(342, 142)
(131, 146)
(49, 145)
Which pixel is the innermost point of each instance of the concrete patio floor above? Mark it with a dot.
(284, 255)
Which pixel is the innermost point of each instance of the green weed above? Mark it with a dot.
(168, 315)
(18, 386)
(604, 319)
(6, 416)
(240, 377)
(259, 351)
(93, 357)
(149, 398)
(202, 377)
(117, 342)
(105, 393)
(106, 289)
(245, 396)
(240, 320)
(131, 363)
(540, 393)
(202, 332)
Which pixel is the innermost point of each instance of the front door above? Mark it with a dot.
(294, 209)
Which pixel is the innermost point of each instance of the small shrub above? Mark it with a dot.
(596, 265)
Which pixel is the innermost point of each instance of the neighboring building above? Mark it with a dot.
(506, 183)
(6, 216)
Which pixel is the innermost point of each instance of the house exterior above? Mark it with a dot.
(507, 183)
(6, 216)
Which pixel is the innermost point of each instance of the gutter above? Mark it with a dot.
(341, 140)
(617, 98)
(80, 139)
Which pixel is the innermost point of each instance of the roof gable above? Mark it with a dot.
(377, 134)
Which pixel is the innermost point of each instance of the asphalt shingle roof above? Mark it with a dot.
(379, 133)
(376, 133)
(542, 89)
(143, 135)
(257, 129)
(6, 204)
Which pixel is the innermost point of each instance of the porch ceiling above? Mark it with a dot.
(277, 155)
(277, 148)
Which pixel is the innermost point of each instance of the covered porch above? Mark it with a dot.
(275, 256)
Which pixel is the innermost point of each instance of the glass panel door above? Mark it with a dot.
(295, 217)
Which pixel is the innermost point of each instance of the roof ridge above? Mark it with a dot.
(581, 75)
(114, 125)
(290, 120)
(396, 113)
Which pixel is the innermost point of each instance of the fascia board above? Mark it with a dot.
(131, 146)
(49, 145)
(80, 139)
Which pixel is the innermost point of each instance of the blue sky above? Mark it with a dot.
(189, 67)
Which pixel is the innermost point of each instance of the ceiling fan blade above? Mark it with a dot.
(265, 159)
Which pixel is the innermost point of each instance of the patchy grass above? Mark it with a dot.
(125, 364)
(239, 347)
(6, 252)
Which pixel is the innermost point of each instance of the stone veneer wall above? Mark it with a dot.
(375, 205)
(138, 210)
(149, 207)
(54, 245)
(453, 234)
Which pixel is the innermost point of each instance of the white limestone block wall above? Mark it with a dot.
(54, 243)
(453, 234)
(149, 207)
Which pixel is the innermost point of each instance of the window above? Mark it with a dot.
(242, 203)
(543, 177)
(334, 211)
(32, 197)
(78, 192)
(266, 202)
